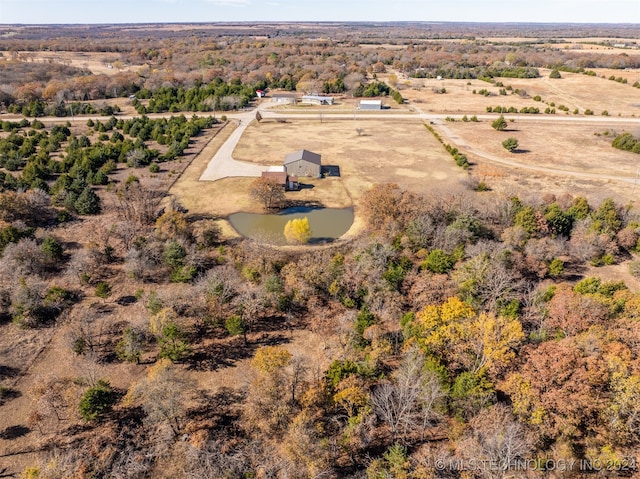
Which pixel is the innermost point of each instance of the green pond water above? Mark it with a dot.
(326, 224)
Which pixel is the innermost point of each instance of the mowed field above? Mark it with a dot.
(552, 155)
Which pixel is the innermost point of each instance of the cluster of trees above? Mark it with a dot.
(453, 328)
(216, 95)
(460, 158)
(36, 108)
(513, 109)
(627, 142)
(290, 61)
(377, 88)
(66, 166)
(466, 71)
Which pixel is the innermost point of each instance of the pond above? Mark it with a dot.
(326, 224)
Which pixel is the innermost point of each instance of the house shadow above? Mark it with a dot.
(305, 186)
(330, 170)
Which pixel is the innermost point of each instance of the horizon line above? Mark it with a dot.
(317, 22)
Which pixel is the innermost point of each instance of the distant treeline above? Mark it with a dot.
(464, 72)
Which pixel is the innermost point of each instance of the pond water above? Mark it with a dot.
(326, 224)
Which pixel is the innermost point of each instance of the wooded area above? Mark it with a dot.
(460, 334)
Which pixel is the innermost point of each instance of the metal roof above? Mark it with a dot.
(317, 97)
(305, 155)
(279, 176)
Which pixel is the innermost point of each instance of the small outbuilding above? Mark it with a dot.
(279, 175)
(303, 163)
(371, 104)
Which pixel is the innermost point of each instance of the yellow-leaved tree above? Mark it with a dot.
(490, 341)
(270, 359)
(267, 410)
(454, 332)
(297, 230)
(437, 328)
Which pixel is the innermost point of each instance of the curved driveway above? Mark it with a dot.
(222, 165)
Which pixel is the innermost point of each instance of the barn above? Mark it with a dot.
(303, 163)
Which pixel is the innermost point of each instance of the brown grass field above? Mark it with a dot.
(404, 152)
(96, 62)
(401, 152)
(573, 90)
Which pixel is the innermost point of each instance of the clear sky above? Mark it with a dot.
(141, 11)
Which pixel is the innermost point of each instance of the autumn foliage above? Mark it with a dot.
(297, 231)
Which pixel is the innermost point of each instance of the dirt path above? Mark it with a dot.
(460, 143)
(466, 148)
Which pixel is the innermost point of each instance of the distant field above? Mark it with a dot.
(96, 62)
(573, 90)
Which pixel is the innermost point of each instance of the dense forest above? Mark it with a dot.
(457, 333)
(461, 335)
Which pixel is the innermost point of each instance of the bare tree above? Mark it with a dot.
(211, 461)
(250, 303)
(219, 286)
(410, 398)
(24, 258)
(134, 202)
(496, 441)
(267, 191)
(487, 279)
(163, 395)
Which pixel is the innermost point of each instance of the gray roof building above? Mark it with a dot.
(303, 163)
(285, 98)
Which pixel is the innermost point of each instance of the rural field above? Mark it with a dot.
(486, 296)
(572, 154)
